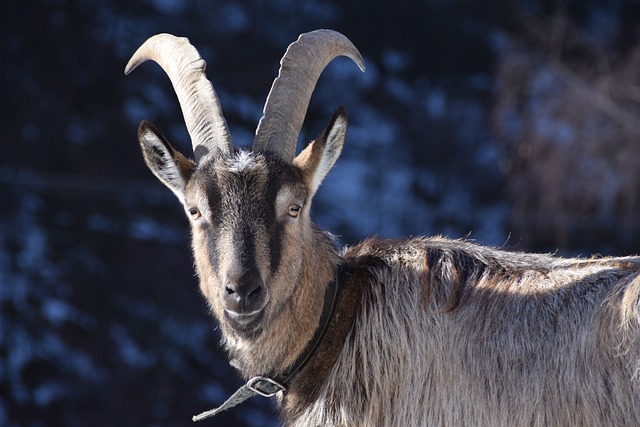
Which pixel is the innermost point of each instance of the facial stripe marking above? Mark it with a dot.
(275, 248)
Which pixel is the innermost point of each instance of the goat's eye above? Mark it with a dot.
(194, 213)
(294, 211)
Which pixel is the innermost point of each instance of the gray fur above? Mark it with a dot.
(527, 340)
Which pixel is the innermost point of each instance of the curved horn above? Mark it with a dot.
(200, 106)
(287, 102)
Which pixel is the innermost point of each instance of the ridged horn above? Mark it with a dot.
(198, 100)
(288, 100)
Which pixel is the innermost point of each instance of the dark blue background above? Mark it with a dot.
(101, 322)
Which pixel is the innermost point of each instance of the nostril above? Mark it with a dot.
(255, 293)
(234, 294)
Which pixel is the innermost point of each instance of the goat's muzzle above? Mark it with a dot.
(244, 297)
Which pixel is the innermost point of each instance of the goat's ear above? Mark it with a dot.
(320, 155)
(171, 167)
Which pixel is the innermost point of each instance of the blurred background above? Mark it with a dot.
(510, 123)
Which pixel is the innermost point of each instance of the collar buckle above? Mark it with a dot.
(264, 386)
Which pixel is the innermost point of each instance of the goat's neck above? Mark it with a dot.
(285, 337)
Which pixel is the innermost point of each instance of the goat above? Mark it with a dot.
(420, 331)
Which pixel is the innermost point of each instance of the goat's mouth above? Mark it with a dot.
(244, 322)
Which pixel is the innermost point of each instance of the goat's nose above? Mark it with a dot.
(244, 292)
